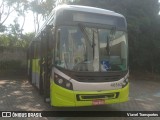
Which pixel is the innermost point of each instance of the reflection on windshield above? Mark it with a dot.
(73, 50)
(114, 57)
(76, 52)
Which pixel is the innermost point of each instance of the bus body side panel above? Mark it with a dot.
(28, 67)
(33, 72)
(62, 97)
(37, 72)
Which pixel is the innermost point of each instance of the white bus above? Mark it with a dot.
(80, 57)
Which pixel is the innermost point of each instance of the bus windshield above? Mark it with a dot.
(81, 48)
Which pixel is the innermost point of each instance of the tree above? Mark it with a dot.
(5, 11)
(11, 41)
(23, 7)
(7, 7)
(41, 10)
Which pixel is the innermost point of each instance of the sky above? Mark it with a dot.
(159, 11)
(29, 24)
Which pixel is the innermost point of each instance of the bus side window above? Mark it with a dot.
(53, 44)
(32, 52)
(43, 44)
(51, 34)
(35, 51)
(38, 54)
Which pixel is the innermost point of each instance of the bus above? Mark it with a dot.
(79, 57)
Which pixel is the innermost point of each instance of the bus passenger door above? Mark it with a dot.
(46, 59)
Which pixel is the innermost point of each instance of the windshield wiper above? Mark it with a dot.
(86, 37)
(109, 38)
(85, 34)
(108, 46)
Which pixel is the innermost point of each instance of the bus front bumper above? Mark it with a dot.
(61, 97)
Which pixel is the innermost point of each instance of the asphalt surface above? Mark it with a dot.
(20, 95)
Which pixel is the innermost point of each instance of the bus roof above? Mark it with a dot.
(88, 9)
(78, 8)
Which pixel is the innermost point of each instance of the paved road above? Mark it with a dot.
(19, 95)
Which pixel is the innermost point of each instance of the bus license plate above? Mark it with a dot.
(98, 102)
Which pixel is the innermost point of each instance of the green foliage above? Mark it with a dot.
(15, 29)
(14, 41)
(43, 8)
(2, 28)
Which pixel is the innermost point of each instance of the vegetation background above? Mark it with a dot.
(143, 28)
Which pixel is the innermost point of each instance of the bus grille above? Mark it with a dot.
(90, 97)
(98, 78)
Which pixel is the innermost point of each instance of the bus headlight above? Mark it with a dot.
(68, 85)
(63, 82)
(60, 81)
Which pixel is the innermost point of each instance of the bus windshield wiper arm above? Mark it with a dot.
(107, 46)
(109, 38)
(82, 28)
(86, 37)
